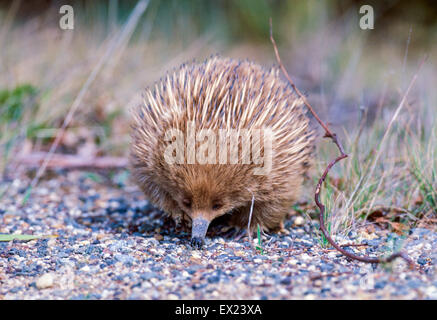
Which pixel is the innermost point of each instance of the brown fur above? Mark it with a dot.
(222, 94)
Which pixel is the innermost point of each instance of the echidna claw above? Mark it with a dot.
(197, 243)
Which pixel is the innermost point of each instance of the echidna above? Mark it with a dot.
(221, 137)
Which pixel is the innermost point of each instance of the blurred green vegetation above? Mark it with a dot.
(12, 103)
(17, 106)
(242, 19)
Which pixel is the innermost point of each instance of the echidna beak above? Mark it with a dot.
(198, 232)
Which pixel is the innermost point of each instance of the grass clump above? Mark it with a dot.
(259, 246)
(17, 109)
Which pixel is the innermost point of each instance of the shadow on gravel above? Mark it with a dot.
(140, 218)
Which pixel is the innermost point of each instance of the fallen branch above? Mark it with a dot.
(369, 210)
(343, 155)
(69, 161)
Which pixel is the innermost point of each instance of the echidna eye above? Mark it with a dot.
(187, 203)
(216, 206)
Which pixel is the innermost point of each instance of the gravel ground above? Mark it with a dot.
(112, 244)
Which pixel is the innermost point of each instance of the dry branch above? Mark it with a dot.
(69, 161)
(343, 155)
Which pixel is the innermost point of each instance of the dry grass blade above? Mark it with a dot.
(113, 45)
(387, 131)
(68, 161)
(342, 155)
(24, 237)
(8, 20)
(250, 220)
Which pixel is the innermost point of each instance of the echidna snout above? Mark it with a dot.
(198, 232)
(204, 195)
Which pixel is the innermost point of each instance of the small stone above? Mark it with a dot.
(45, 281)
(380, 284)
(422, 261)
(286, 281)
(51, 242)
(100, 236)
(299, 221)
(86, 268)
(195, 260)
(159, 237)
(196, 255)
(318, 283)
(214, 279)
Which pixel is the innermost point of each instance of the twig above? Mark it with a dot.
(333, 137)
(250, 220)
(69, 161)
(328, 133)
(8, 21)
(372, 208)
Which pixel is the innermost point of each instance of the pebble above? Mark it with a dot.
(299, 221)
(45, 281)
(112, 244)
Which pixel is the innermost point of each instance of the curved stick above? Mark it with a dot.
(343, 155)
